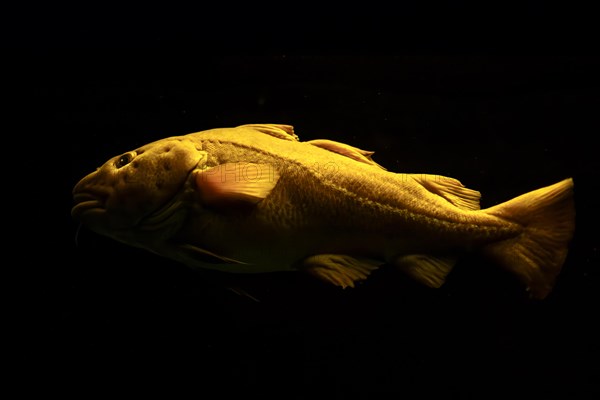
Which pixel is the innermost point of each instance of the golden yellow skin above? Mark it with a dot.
(328, 203)
(314, 198)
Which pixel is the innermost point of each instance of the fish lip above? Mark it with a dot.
(85, 202)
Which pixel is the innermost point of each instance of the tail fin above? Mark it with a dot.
(536, 256)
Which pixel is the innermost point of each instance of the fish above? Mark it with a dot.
(255, 199)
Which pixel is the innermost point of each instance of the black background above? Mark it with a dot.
(504, 99)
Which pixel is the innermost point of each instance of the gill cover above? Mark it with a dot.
(133, 185)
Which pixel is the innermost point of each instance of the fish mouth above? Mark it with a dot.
(86, 203)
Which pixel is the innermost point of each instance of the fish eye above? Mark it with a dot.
(124, 160)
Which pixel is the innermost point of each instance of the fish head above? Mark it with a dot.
(131, 188)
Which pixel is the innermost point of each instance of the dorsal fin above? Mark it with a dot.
(354, 153)
(450, 189)
(285, 132)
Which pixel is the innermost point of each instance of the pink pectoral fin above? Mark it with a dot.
(236, 182)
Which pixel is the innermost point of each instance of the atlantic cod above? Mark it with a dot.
(253, 198)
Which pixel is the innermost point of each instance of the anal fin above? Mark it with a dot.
(429, 270)
(339, 269)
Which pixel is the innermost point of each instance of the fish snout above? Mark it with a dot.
(92, 204)
(89, 196)
(85, 202)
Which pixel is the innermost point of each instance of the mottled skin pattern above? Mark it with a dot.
(328, 203)
(320, 198)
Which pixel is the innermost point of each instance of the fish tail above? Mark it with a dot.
(537, 254)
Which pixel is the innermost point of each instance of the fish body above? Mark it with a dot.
(255, 199)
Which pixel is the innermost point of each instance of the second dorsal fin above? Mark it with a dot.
(346, 150)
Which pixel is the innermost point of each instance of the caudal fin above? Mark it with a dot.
(536, 256)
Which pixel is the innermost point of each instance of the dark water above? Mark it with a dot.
(110, 318)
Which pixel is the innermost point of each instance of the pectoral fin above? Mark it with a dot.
(354, 153)
(339, 269)
(426, 269)
(236, 182)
